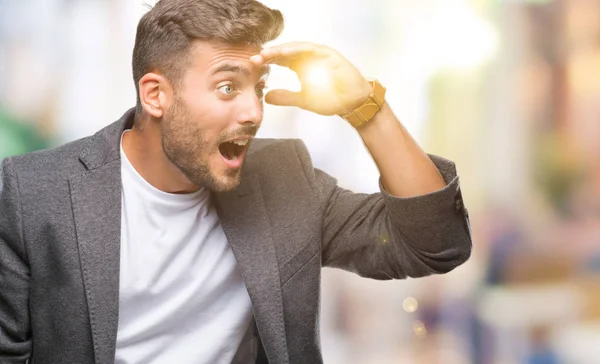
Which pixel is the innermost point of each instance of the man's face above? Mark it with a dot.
(216, 111)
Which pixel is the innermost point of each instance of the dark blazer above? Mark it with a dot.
(60, 216)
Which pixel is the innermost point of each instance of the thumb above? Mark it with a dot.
(284, 98)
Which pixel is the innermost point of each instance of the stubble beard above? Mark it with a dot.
(184, 145)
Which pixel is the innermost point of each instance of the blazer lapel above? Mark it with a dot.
(244, 219)
(96, 199)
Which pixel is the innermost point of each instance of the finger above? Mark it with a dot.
(288, 49)
(292, 53)
(258, 60)
(284, 98)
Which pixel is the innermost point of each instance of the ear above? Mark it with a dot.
(155, 93)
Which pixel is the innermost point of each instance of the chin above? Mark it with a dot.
(221, 178)
(213, 177)
(226, 185)
(224, 180)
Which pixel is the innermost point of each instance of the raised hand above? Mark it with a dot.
(339, 89)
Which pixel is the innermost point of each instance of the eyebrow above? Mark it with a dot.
(265, 69)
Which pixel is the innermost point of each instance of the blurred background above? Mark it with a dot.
(508, 89)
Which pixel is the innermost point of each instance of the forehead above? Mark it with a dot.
(211, 58)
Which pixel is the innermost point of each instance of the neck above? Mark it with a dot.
(143, 148)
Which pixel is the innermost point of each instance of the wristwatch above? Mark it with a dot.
(367, 111)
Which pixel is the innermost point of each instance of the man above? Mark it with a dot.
(172, 236)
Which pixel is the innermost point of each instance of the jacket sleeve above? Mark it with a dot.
(15, 338)
(385, 237)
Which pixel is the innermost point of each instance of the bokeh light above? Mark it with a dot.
(410, 304)
(419, 329)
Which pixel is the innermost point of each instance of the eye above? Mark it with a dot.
(227, 89)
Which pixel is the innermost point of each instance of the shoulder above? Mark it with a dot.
(281, 161)
(41, 178)
(75, 157)
(262, 145)
(52, 162)
(268, 154)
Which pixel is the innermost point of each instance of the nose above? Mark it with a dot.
(251, 110)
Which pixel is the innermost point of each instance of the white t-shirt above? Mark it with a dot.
(182, 298)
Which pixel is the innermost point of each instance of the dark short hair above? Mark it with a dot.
(165, 34)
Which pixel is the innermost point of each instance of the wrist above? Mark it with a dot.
(382, 125)
(365, 93)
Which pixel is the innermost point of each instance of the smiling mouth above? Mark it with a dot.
(232, 150)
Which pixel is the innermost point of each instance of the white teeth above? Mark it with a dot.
(234, 158)
(241, 142)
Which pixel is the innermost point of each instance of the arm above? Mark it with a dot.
(419, 223)
(15, 339)
(386, 237)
